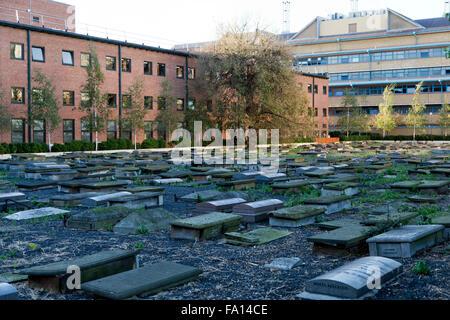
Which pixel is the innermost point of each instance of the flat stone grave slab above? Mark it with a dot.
(445, 221)
(143, 189)
(246, 175)
(440, 187)
(150, 220)
(142, 282)
(10, 277)
(406, 241)
(391, 218)
(98, 219)
(351, 280)
(253, 212)
(290, 186)
(11, 196)
(103, 186)
(225, 176)
(332, 204)
(294, 217)
(85, 172)
(201, 176)
(104, 199)
(205, 226)
(155, 169)
(167, 181)
(8, 292)
(340, 188)
(318, 173)
(271, 178)
(73, 186)
(72, 199)
(237, 184)
(441, 172)
(255, 237)
(341, 177)
(35, 214)
(35, 185)
(225, 205)
(59, 176)
(139, 200)
(201, 196)
(284, 264)
(53, 277)
(424, 198)
(176, 174)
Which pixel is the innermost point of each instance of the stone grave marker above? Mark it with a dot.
(284, 264)
(254, 212)
(65, 175)
(271, 178)
(340, 188)
(205, 226)
(445, 221)
(72, 199)
(8, 292)
(138, 200)
(237, 184)
(143, 189)
(53, 277)
(98, 219)
(10, 277)
(35, 213)
(225, 205)
(255, 237)
(332, 204)
(167, 181)
(103, 186)
(201, 196)
(406, 241)
(153, 220)
(142, 282)
(103, 200)
(294, 217)
(290, 186)
(36, 185)
(351, 280)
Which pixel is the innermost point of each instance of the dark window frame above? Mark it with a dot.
(182, 72)
(23, 95)
(90, 59)
(182, 105)
(22, 131)
(71, 131)
(151, 68)
(121, 65)
(115, 63)
(72, 55)
(108, 132)
(189, 73)
(163, 65)
(43, 54)
(22, 50)
(73, 98)
(148, 107)
(39, 131)
(110, 95)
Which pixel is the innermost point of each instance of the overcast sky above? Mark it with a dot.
(167, 22)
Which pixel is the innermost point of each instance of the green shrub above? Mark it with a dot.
(150, 144)
(421, 268)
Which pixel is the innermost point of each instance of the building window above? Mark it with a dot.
(111, 63)
(325, 112)
(126, 130)
(67, 58)
(39, 131)
(112, 129)
(85, 131)
(85, 60)
(161, 69)
(38, 54)
(161, 103)
(84, 99)
(316, 112)
(180, 72)
(69, 130)
(68, 98)
(324, 126)
(309, 88)
(126, 65)
(112, 100)
(209, 106)
(36, 19)
(148, 102)
(148, 68)
(325, 90)
(180, 104)
(352, 28)
(17, 130)
(126, 101)
(191, 73)
(191, 104)
(316, 88)
(148, 128)
(17, 95)
(16, 50)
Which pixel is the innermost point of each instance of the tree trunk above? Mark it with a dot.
(95, 124)
(49, 140)
(135, 142)
(414, 133)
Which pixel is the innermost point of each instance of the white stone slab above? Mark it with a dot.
(8, 292)
(284, 264)
(35, 213)
(167, 181)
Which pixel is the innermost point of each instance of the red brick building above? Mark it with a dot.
(316, 89)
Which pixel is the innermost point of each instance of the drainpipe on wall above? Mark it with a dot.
(29, 83)
(187, 85)
(415, 37)
(120, 89)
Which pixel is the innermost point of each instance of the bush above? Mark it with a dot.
(376, 136)
(150, 144)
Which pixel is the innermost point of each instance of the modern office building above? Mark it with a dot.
(62, 55)
(365, 51)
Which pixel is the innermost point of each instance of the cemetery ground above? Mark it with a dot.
(387, 186)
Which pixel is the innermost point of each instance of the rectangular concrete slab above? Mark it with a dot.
(35, 213)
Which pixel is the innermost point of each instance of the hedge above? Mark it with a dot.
(377, 136)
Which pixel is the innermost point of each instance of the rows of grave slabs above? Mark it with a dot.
(138, 225)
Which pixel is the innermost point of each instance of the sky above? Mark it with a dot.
(169, 22)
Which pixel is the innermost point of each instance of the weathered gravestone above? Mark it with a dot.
(98, 219)
(406, 241)
(205, 226)
(255, 237)
(138, 200)
(340, 188)
(142, 282)
(237, 184)
(167, 181)
(254, 212)
(149, 220)
(354, 280)
(284, 264)
(143, 189)
(332, 204)
(103, 200)
(35, 214)
(59, 176)
(103, 186)
(53, 277)
(294, 217)
(8, 292)
(445, 221)
(290, 186)
(72, 199)
(218, 206)
(10, 277)
(35, 185)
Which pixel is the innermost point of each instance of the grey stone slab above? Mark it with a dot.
(10, 277)
(254, 212)
(12, 196)
(139, 200)
(225, 205)
(154, 220)
(167, 181)
(353, 280)
(284, 264)
(72, 199)
(294, 217)
(8, 292)
(144, 281)
(103, 200)
(201, 196)
(99, 218)
(406, 241)
(35, 213)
